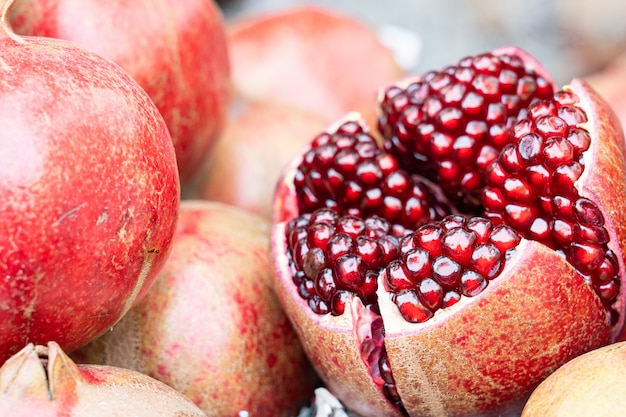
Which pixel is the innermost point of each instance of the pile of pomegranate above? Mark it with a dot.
(289, 239)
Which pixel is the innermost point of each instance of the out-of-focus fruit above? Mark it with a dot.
(611, 84)
(258, 141)
(591, 385)
(176, 50)
(211, 326)
(90, 192)
(409, 305)
(310, 57)
(44, 382)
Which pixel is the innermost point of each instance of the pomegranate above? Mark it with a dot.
(258, 141)
(175, 50)
(591, 385)
(450, 271)
(43, 381)
(610, 83)
(211, 326)
(310, 57)
(90, 192)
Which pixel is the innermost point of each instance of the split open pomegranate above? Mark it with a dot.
(450, 270)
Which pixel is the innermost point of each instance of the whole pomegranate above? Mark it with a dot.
(176, 50)
(451, 271)
(43, 381)
(259, 139)
(211, 326)
(591, 385)
(90, 192)
(312, 58)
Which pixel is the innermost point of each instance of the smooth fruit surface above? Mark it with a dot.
(211, 326)
(258, 140)
(176, 51)
(90, 193)
(589, 385)
(43, 381)
(312, 58)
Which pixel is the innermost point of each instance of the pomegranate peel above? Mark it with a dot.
(43, 381)
(468, 314)
(598, 376)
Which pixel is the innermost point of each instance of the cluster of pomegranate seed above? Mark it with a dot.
(458, 118)
(334, 257)
(444, 260)
(531, 186)
(347, 171)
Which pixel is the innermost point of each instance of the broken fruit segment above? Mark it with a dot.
(416, 294)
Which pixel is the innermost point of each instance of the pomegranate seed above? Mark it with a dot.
(411, 307)
(431, 293)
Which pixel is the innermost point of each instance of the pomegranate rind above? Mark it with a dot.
(604, 177)
(488, 352)
(599, 380)
(44, 381)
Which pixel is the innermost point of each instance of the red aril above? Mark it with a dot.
(211, 326)
(461, 305)
(175, 50)
(312, 58)
(43, 381)
(90, 192)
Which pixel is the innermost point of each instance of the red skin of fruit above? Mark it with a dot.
(598, 378)
(44, 382)
(312, 58)
(175, 50)
(211, 326)
(90, 193)
(485, 354)
(258, 141)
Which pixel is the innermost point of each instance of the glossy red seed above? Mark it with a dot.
(562, 232)
(487, 260)
(504, 238)
(587, 212)
(397, 277)
(518, 191)
(369, 251)
(520, 216)
(429, 237)
(446, 272)
(417, 264)
(339, 301)
(411, 307)
(338, 245)
(450, 298)
(325, 286)
(351, 225)
(557, 151)
(458, 243)
(349, 271)
(585, 257)
(472, 283)
(430, 293)
(530, 148)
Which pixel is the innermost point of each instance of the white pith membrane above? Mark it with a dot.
(357, 322)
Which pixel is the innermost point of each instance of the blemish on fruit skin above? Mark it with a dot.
(271, 360)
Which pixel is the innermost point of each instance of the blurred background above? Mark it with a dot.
(570, 37)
